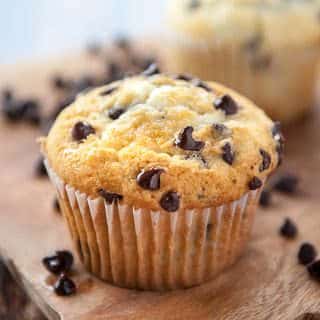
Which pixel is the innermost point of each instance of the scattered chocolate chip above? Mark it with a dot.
(60, 262)
(151, 70)
(286, 183)
(185, 140)
(115, 112)
(194, 4)
(40, 169)
(170, 201)
(288, 229)
(307, 253)
(226, 104)
(108, 91)
(6, 95)
(81, 131)
(265, 198)
(201, 84)
(60, 83)
(255, 183)
(64, 286)
(228, 154)
(56, 205)
(150, 179)
(31, 112)
(184, 77)
(309, 316)
(110, 197)
(266, 160)
(314, 270)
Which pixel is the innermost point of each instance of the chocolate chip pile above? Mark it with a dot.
(60, 265)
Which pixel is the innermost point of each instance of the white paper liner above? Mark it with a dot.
(154, 250)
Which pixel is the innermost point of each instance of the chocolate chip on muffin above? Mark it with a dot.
(152, 70)
(307, 253)
(184, 77)
(115, 112)
(288, 229)
(201, 84)
(110, 197)
(266, 160)
(255, 183)
(108, 91)
(81, 131)
(226, 104)
(64, 286)
(185, 140)
(170, 201)
(228, 153)
(150, 179)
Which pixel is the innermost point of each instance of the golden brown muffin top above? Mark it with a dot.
(160, 141)
(278, 23)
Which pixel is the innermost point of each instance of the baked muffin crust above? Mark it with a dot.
(201, 144)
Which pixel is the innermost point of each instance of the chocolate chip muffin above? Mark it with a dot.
(265, 49)
(158, 177)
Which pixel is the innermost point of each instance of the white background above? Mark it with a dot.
(36, 28)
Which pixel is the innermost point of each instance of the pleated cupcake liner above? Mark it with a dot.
(154, 250)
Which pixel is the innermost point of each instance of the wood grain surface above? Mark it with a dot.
(266, 283)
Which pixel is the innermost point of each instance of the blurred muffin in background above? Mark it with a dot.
(265, 49)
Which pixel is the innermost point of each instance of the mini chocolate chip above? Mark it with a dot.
(265, 198)
(194, 4)
(226, 104)
(110, 197)
(286, 183)
(228, 154)
(61, 261)
(201, 84)
(81, 131)
(184, 77)
(170, 201)
(255, 183)
(314, 270)
(56, 205)
(266, 160)
(40, 169)
(307, 253)
(185, 140)
(31, 112)
(288, 229)
(150, 179)
(108, 91)
(115, 112)
(151, 70)
(64, 286)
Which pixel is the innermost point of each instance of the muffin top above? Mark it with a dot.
(276, 23)
(163, 142)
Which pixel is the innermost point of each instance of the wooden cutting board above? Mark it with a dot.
(266, 283)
